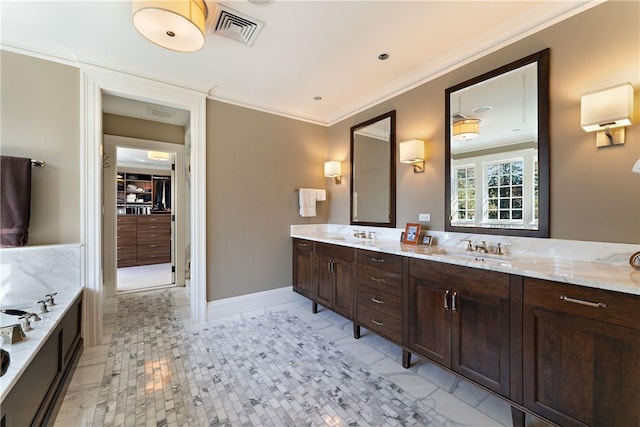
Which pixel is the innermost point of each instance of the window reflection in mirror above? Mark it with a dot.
(373, 172)
(497, 151)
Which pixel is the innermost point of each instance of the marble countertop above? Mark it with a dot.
(610, 276)
(23, 353)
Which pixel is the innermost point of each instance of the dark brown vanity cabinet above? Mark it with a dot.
(581, 354)
(459, 318)
(303, 267)
(334, 278)
(36, 397)
(379, 294)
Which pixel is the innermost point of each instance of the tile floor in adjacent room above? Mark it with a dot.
(283, 366)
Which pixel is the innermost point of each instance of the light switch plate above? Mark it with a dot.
(424, 217)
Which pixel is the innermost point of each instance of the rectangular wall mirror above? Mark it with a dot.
(373, 172)
(497, 151)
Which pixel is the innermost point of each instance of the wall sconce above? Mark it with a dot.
(636, 167)
(412, 151)
(332, 170)
(605, 110)
(466, 129)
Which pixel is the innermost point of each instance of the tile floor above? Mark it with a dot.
(278, 367)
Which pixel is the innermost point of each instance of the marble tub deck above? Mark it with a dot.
(281, 366)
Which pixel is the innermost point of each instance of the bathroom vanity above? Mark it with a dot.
(42, 366)
(557, 338)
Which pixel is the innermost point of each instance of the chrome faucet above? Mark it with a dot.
(499, 246)
(469, 245)
(360, 234)
(43, 305)
(483, 247)
(49, 298)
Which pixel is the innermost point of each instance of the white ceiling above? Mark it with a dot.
(306, 48)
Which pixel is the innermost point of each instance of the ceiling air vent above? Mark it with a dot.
(235, 25)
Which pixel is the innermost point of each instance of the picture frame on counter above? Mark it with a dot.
(425, 239)
(411, 233)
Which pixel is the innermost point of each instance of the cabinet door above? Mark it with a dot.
(343, 297)
(581, 361)
(323, 289)
(429, 320)
(302, 267)
(480, 338)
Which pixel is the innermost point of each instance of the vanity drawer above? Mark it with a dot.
(378, 300)
(379, 278)
(386, 262)
(302, 245)
(334, 251)
(380, 322)
(621, 309)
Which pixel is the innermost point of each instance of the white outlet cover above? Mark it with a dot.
(424, 217)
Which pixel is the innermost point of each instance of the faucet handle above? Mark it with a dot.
(499, 246)
(469, 244)
(43, 306)
(27, 325)
(50, 298)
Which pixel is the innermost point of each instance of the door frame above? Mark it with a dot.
(178, 241)
(94, 82)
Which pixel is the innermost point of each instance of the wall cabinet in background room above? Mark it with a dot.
(142, 194)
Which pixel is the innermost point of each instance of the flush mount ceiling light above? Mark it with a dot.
(176, 25)
(466, 129)
(158, 155)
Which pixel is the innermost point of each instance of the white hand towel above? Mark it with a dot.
(307, 202)
(321, 195)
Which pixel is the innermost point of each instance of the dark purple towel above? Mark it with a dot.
(15, 201)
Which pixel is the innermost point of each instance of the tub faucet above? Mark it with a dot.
(49, 298)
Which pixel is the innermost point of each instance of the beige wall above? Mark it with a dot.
(255, 161)
(41, 120)
(143, 129)
(594, 195)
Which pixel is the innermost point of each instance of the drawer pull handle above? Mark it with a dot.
(454, 306)
(152, 235)
(374, 259)
(377, 301)
(582, 302)
(302, 245)
(153, 246)
(446, 299)
(377, 279)
(375, 322)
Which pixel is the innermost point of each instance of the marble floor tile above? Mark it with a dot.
(282, 366)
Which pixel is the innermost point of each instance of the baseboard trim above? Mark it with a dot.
(251, 302)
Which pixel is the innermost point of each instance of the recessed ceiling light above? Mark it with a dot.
(317, 98)
(482, 109)
(383, 56)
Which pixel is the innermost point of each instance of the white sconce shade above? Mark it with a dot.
(607, 109)
(412, 151)
(466, 129)
(332, 170)
(158, 155)
(173, 24)
(636, 167)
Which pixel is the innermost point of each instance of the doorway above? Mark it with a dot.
(145, 233)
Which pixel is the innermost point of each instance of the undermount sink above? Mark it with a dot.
(475, 256)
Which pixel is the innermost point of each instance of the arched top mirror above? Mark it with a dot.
(497, 151)
(373, 172)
